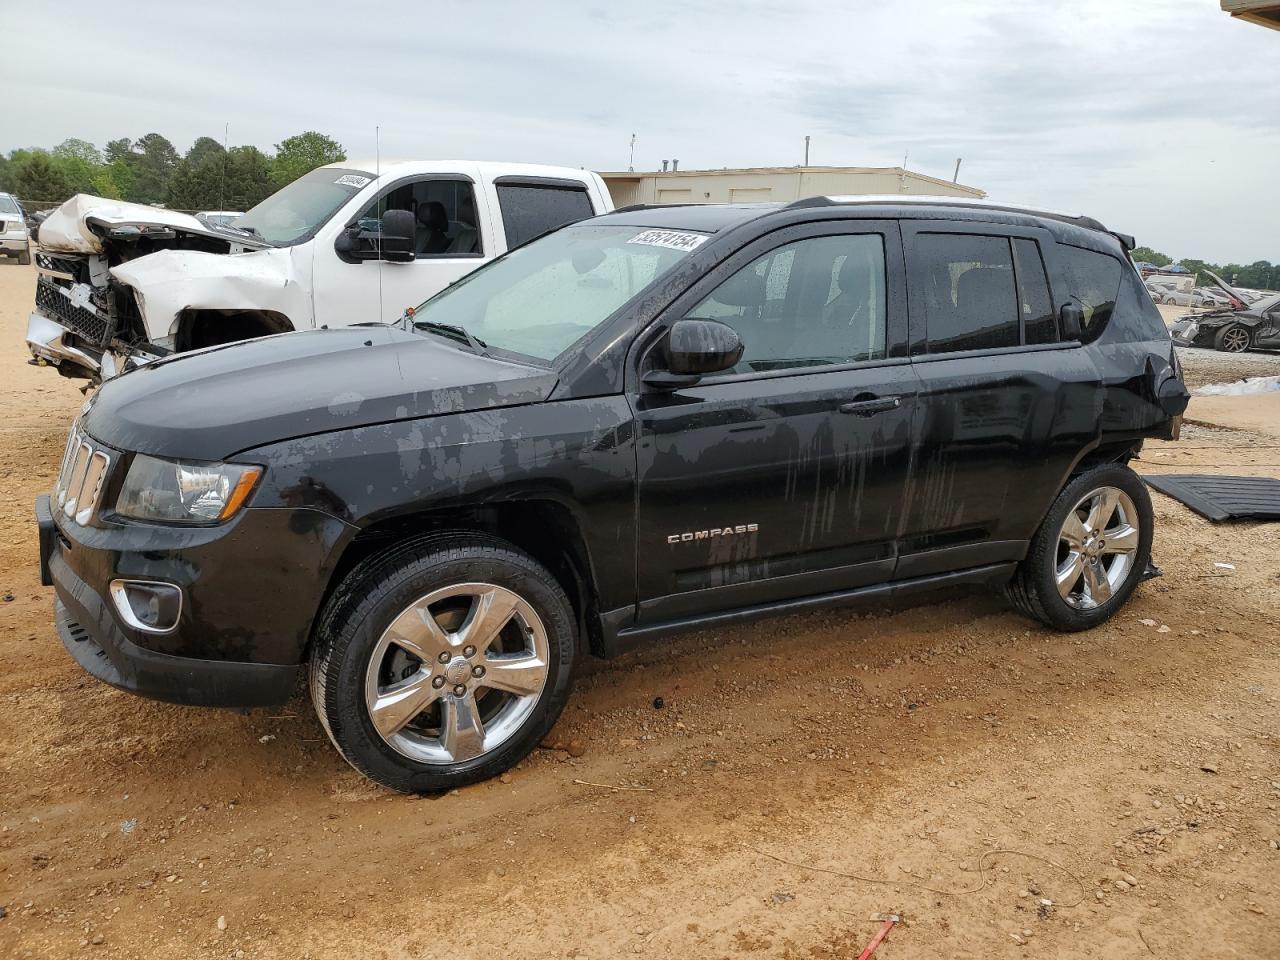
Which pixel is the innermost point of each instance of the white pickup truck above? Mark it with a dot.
(121, 284)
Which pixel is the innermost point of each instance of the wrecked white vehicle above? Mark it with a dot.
(121, 284)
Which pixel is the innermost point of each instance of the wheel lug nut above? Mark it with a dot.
(459, 690)
(444, 656)
(477, 671)
(437, 682)
(468, 651)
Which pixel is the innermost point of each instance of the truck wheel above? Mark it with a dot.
(1233, 338)
(1090, 552)
(443, 661)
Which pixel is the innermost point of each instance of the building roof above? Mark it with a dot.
(636, 175)
(1265, 13)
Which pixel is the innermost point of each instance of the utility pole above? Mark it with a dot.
(631, 164)
(955, 177)
(806, 150)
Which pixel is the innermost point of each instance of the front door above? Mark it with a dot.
(449, 244)
(784, 476)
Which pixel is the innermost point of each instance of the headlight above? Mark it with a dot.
(175, 491)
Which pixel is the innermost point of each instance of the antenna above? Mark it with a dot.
(956, 176)
(222, 181)
(377, 173)
(806, 149)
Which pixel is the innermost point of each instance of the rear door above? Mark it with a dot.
(785, 476)
(1006, 407)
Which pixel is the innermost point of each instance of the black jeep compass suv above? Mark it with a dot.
(661, 418)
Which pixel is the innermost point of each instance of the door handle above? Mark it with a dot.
(868, 404)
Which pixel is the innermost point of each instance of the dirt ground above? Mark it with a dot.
(1010, 791)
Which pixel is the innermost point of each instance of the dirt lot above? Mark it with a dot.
(965, 764)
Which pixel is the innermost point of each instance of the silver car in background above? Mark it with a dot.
(15, 239)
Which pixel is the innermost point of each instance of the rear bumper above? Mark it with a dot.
(91, 630)
(14, 247)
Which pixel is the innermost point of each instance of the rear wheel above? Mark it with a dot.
(443, 662)
(1090, 552)
(1232, 338)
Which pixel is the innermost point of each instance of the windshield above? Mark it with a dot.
(294, 213)
(540, 298)
(8, 204)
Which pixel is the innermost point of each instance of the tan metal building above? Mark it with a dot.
(752, 184)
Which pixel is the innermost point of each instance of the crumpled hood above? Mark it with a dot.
(210, 404)
(169, 281)
(80, 224)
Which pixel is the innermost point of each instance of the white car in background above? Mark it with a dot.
(122, 284)
(14, 236)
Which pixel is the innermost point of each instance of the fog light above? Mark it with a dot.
(147, 606)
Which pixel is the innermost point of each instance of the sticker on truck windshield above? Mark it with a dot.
(674, 239)
(353, 180)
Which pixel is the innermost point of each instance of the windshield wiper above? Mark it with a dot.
(454, 331)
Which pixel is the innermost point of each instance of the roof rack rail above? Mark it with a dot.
(632, 208)
(810, 202)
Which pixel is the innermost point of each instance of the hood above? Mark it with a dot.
(82, 224)
(213, 403)
(1237, 302)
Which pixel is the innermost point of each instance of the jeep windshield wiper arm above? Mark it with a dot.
(453, 331)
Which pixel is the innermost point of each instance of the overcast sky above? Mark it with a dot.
(1161, 119)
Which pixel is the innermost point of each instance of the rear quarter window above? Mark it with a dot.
(1093, 281)
(530, 210)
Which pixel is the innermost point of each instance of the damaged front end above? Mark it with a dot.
(85, 322)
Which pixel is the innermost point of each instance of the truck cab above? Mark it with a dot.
(124, 284)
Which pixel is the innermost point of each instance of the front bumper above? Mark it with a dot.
(241, 618)
(14, 245)
(50, 342)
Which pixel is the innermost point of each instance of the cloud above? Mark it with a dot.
(1162, 122)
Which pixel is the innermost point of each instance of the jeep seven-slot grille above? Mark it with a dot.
(82, 321)
(82, 477)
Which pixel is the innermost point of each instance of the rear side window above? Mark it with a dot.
(970, 297)
(1093, 281)
(1038, 322)
(529, 210)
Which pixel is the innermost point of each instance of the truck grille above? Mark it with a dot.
(80, 320)
(65, 268)
(82, 477)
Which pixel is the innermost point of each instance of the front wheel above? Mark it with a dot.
(443, 662)
(1232, 338)
(1090, 552)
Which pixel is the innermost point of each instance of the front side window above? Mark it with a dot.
(814, 302)
(294, 213)
(530, 210)
(444, 214)
(539, 299)
(969, 298)
(1093, 281)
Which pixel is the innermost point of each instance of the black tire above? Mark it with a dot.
(1033, 590)
(373, 595)
(1228, 339)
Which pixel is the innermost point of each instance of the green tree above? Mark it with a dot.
(249, 178)
(6, 174)
(1147, 255)
(303, 153)
(74, 149)
(204, 147)
(154, 163)
(37, 177)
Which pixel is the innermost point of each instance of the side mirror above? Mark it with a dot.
(394, 241)
(695, 347)
(1072, 320)
(398, 229)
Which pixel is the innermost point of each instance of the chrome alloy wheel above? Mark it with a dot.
(1235, 340)
(1096, 547)
(457, 673)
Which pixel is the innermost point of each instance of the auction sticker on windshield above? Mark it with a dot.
(352, 180)
(674, 239)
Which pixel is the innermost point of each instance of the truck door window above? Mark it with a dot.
(445, 212)
(970, 302)
(813, 302)
(529, 210)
